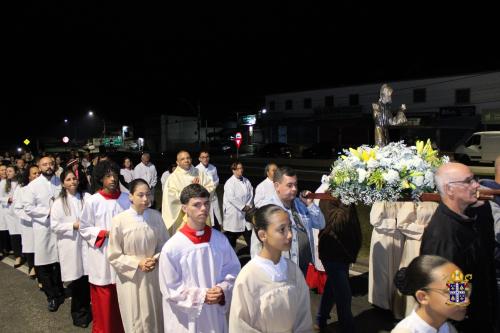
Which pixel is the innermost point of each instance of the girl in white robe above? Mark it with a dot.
(27, 236)
(4, 229)
(72, 249)
(425, 279)
(7, 190)
(135, 241)
(270, 293)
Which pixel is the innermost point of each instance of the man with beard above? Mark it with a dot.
(37, 201)
(95, 224)
(184, 175)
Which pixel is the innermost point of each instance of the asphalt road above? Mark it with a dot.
(24, 309)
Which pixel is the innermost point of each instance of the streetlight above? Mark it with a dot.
(91, 114)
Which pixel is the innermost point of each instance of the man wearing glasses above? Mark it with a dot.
(461, 230)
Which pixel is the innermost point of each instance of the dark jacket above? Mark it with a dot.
(340, 240)
(467, 242)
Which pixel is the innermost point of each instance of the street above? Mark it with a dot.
(24, 309)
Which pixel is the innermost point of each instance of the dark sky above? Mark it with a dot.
(61, 59)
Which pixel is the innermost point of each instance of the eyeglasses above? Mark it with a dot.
(467, 181)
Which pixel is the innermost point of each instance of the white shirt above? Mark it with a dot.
(146, 172)
(414, 324)
(277, 272)
(263, 191)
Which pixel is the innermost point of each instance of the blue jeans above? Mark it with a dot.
(337, 290)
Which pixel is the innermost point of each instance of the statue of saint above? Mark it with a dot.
(383, 117)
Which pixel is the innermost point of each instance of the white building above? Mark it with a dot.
(450, 104)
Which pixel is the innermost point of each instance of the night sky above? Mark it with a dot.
(61, 59)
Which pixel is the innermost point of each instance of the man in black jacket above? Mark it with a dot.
(464, 235)
(339, 244)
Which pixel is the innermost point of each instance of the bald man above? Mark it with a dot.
(464, 235)
(183, 175)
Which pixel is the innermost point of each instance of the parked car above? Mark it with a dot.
(222, 148)
(482, 147)
(320, 150)
(276, 150)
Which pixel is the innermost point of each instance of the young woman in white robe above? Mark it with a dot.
(426, 280)
(7, 190)
(127, 172)
(72, 249)
(270, 293)
(4, 229)
(27, 236)
(135, 241)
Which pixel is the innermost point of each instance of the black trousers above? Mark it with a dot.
(80, 301)
(5, 241)
(50, 278)
(30, 259)
(216, 224)
(15, 242)
(233, 236)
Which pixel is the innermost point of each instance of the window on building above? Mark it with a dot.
(353, 99)
(272, 105)
(288, 104)
(307, 103)
(419, 95)
(329, 101)
(462, 96)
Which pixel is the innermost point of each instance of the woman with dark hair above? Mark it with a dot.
(426, 280)
(72, 249)
(4, 229)
(135, 241)
(270, 281)
(27, 236)
(95, 224)
(7, 198)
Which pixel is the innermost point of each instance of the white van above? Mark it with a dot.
(482, 147)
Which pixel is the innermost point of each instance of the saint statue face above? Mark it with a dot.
(385, 94)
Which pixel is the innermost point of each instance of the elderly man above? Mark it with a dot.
(266, 188)
(304, 215)
(464, 235)
(147, 171)
(184, 175)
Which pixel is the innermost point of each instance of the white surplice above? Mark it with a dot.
(414, 324)
(10, 217)
(96, 216)
(128, 176)
(37, 201)
(171, 206)
(270, 298)
(71, 247)
(187, 270)
(264, 190)
(146, 172)
(3, 208)
(134, 237)
(27, 236)
(211, 171)
(238, 193)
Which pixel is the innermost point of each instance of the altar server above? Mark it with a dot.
(95, 224)
(211, 170)
(265, 189)
(135, 241)
(65, 223)
(197, 271)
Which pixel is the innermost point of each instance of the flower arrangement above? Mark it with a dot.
(369, 174)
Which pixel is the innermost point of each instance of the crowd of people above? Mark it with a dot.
(87, 227)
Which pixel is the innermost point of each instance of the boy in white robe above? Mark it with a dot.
(95, 224)
(197, 271)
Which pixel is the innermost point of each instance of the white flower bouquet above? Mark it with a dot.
(369, 174)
